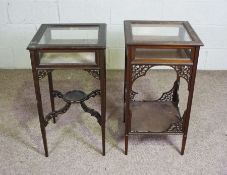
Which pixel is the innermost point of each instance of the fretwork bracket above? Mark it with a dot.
(183, 71)
(171, 95)
(139, 71)
(177, 126)
(43, 73)
(94, 72)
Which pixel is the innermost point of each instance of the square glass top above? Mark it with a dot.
(160, 33)
(156, 32)
(69, 36)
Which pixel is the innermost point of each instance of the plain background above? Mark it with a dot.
(20, 19)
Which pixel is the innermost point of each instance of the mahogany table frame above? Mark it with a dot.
(184, 69)
(97, 70)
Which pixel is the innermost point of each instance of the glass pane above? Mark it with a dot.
(70, 35)
(162, 53)
(159, 32)
(68, 57)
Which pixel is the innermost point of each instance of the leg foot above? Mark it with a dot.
(43, 131)
(183, 144)
(103, 141)
(126, 145)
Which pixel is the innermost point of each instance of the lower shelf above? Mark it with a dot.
(155, 117)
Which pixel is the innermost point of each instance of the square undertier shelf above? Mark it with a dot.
(155, 117)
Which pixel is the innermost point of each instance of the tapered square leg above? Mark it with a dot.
(103, 141)
(126, 144)
(39, 102)
(183, 144)
(50, 81)
(103, 98)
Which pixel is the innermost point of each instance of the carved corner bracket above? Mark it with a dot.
(177, 126)
(183, 71)
(43, 73)
(94, 72)
(133, 94)
(139, 71)
(171, 95)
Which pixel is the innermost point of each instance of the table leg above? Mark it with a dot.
(39, 100)
(40, 110)
(190, 97)
(128, 88)
(50, 81)
(103, 99)
(125, 81)
(127, 120)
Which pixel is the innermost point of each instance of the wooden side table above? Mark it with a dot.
(155, 43)
(69, 46)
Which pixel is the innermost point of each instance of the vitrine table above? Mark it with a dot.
(69, 46)
(157, 43)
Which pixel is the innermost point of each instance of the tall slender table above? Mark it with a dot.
(158, 43)
(69, 46)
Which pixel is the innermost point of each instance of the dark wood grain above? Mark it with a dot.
(36, 52)
(140, 56)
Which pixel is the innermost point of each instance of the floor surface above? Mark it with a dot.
(75, 140)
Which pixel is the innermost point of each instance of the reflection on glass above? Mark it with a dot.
(70, 35)
(157, 32)
(162, 53)
(68, 57)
